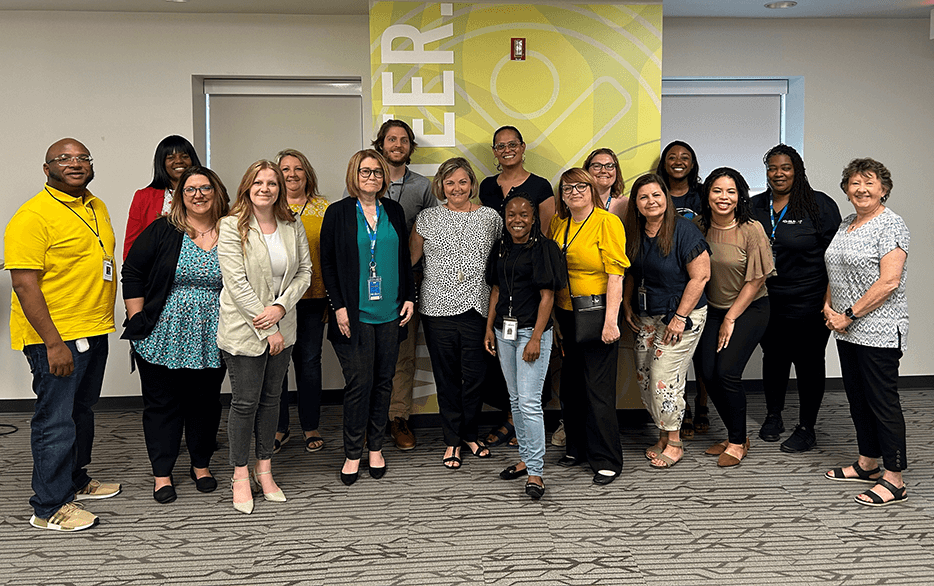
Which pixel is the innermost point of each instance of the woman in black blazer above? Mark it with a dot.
(367, 272)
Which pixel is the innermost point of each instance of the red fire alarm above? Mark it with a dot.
(519, 49)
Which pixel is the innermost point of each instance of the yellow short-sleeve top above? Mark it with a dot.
(57, 234)
(311, 214)
(595, 247)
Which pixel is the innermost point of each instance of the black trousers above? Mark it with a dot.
(459, 364)
(177, 400)
(870, 377)
(588, 398)
(368, 363)
(723, 371)
(801, 341)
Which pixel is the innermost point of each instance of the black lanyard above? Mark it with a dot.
(511, 282)
(97, 233)
(567, 230)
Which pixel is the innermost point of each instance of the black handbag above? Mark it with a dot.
(589, 316)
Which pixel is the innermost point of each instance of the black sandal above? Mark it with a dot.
(898, 495)
(453, 459)
(687, 425)
(861, 475)
(479, 452)
(701, 419)
(503, 434)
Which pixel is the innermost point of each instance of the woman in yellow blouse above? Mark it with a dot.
(306, 203)
(594, 243)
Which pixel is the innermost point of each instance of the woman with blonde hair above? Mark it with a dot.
(368, 276)
(266, 266)
(594, 245)
(301, 189)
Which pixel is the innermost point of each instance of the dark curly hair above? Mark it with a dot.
(743, 212)
(865, 166)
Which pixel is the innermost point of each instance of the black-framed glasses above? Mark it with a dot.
(204, 189)
(65, 160)
(578, 187)
(365, 173)
(502, 146)
(602, 166)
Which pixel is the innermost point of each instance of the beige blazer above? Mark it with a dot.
(248, 286)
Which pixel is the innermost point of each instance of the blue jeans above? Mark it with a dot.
(255, 388)
(524, 381)
(63, 423)
(306, 356)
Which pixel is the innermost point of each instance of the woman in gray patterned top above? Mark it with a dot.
(867, 310)
(456, 239)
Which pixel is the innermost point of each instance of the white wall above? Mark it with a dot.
(869, 90)
(121, 82)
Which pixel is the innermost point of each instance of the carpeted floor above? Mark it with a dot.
(772, 519)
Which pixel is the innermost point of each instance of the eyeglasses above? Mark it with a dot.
(602, 166)
(578, 187)
(365, 173)
(506, 145)
(204, 189)
(65, 160)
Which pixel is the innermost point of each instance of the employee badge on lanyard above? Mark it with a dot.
(374, 284)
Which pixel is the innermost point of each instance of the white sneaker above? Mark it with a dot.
(559, 438)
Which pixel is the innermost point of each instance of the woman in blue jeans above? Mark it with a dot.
(523, 271)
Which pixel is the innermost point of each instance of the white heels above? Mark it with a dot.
(276, 497)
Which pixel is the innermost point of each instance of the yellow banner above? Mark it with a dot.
(571, 78)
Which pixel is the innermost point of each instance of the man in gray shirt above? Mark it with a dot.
(396, 141)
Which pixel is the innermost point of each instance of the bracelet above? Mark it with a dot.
(681, 317)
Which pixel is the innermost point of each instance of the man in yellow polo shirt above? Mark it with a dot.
(59, 251)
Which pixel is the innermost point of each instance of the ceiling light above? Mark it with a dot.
(177, 1)
(785, 4)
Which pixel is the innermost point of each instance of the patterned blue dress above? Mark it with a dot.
(185, 335)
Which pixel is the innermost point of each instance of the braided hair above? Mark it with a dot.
(535, 235)
(801, 200)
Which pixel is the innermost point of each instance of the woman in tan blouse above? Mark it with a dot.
(738, 310)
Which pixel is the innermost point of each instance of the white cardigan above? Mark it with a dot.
(248, 285)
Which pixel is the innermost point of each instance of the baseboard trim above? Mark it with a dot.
(333, 397)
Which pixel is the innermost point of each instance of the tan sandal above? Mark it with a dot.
(668, 462)
(654, 450)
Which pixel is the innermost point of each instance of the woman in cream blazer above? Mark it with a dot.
(264, 259)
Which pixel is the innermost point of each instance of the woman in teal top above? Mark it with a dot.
(367, 272)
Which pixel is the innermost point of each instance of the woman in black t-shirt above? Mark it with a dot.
(524, 270)
(680, 172)
(800, 223)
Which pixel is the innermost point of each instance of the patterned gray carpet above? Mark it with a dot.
(772, 519)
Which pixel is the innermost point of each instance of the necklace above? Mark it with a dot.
(723, 226)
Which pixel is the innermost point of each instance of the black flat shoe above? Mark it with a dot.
(349, 479)
(203, 484)
(534, 490)
(377, 473)
(165, 495)
(602, 479)
(512, 473)
(569, 461)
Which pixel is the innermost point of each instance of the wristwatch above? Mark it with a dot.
(849, 313)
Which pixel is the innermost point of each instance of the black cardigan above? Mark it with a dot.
(149, 272)
(340, 262)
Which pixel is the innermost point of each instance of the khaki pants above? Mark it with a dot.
(661, 369)
(400, 403)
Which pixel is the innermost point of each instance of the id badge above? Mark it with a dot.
(643, 300)
(510, 328)
(108, 269)
(374, 286)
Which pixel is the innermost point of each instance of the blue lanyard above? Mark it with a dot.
(772, 216)
(371, 232)
(608, 200)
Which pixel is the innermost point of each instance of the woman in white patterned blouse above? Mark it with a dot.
(867, 310)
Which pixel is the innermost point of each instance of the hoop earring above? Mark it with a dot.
(499, 167)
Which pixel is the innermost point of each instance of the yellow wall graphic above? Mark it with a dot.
(591, 78)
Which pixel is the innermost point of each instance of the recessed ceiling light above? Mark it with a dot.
(177, 1)
(785, 4)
